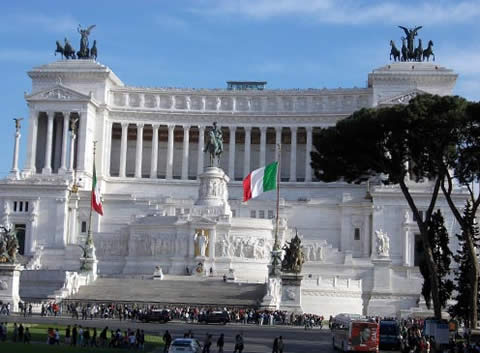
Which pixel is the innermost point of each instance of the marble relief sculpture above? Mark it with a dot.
(383, 243)
(8, 245)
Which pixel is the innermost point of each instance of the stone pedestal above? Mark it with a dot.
(231, 275)
(10, 285)
(291, 293)
(212, 194)
(271, 300)
(89, 263)
(380, 301)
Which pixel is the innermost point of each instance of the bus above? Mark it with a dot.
(355, 333)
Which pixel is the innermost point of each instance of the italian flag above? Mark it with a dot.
(260, 180)
(96, 201)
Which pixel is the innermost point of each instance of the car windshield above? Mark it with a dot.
(181, 343)
(388, 329)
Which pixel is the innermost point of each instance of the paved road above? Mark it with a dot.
(258, 339)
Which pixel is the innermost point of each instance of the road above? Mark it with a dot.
(258, 339)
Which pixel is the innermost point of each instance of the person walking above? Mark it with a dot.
(167, 340)
(239, 346)
(280, 344)
(275, 345)
(207, 343)
(220, 343)
(27, 336)
(74, 336)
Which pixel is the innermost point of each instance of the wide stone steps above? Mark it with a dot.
(172, 291)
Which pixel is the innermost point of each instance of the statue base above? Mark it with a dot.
(271, 301)
(212, 194)
(380, 303)
(291, 293)
(10, 284)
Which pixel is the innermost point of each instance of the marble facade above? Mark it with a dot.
(150, 165)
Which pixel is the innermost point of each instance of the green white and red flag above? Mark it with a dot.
(259, 181)
(96, 200)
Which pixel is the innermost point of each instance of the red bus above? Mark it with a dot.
(355, 333)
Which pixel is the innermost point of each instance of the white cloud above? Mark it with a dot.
(18, 22)
(349, 11)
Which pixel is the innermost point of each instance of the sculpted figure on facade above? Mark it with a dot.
(383, 243)
(201, 241)
(214, 145)
(8, 245)
(294, 258)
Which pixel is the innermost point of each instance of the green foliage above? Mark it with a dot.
(442, 256)
(463, 286)
(467, 169)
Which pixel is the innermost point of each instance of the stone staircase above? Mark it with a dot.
(172, 290)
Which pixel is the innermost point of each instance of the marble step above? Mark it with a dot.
(194, 292)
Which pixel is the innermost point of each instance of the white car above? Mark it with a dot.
(185, 345)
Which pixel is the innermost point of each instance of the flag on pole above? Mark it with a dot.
(96, 201)
(259, 181)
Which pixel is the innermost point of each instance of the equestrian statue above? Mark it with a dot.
(214, 145)
(408, 51)
(294, 258)
(68, 52)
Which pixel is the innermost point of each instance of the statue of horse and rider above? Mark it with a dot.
(68, 52)
(214, 145)
(408, 52)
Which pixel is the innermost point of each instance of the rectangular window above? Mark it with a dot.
(26, 206)
(14, 206)
(20, 209)
(270, 214)
(356, 235)
(186, 210)
(261, 214)
(178, 211)
(84, 227)
(253, 214)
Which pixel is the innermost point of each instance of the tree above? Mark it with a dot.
(463, 284)
(464, 167)
(442, 257)
(383, 142)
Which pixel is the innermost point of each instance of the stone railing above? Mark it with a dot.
(266, 102)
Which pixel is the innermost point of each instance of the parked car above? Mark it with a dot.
(214, 317)
(156, 315)
(389, 335)
(185, 345)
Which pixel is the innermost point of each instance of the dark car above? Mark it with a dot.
(389, 335)
(214, 317)
(156, 315)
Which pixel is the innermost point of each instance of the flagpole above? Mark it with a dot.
(276, 251)
(89, 241)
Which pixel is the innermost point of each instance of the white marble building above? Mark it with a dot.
(149, 157)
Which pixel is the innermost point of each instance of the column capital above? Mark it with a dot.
(309, 129)
(140, 125)
(293, 128)
(186, 127)
(248, 129)
(124, 124)
(50, 114)
(155, 126)
(232, 128)
(171, 127)
(263, 129)
(278, 129)
(201, 127)
(66, 114)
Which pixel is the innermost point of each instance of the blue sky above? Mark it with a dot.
(203, 43)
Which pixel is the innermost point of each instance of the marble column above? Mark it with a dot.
(139, 151)
(123, 150)
(73, 137)
(246, 156)
(63, 163)
(201, 142)
(108, 146)
(14, 173)
(231, 153)
(293, 154)
(308, 158)
(154, 161)
(186, 139)
(47, 166)
(263, 145)
(170, 151)
(212, 239)
(278, 149)
(30, 165)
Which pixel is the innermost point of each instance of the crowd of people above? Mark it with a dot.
(19, 333)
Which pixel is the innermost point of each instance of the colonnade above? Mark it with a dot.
(232, 145)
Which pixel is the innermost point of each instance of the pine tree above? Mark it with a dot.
(463, 286)
(442, 257)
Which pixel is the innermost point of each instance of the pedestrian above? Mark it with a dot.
(68, 335)
(15, 332)
(280, 344)
(56, 336)
(221, 343)
(93, 340)
(74, 335)
(167, 340)
(27, 336)
(20, 333)
(238, 344)
(275, 345)
(207, 343)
